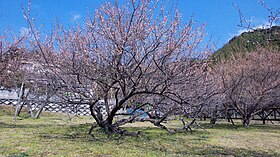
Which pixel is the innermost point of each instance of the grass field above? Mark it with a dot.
(55, 135)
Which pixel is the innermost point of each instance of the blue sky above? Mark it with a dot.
(220, 16)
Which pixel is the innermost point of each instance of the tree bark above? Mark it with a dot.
(39, 111)
(246, 121)
(213, 120)
(19, 102)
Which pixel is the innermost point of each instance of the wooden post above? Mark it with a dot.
(274, 111)
(19, 102)
(263, 117)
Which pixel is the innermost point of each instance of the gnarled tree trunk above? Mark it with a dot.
(246, 120)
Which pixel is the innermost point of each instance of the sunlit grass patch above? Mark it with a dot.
(55, 135)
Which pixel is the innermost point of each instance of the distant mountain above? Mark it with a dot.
(247, 42)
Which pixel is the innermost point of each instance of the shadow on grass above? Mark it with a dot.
(19, 155)
(151, 139)
(209, 150)
(5, 125)
(253, 127)
(158, 141)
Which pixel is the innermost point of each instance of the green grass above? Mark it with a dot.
(55, 135)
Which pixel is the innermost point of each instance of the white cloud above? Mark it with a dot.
(239, 32)
(264, 26)
(75, 17)
(260, 26)
(23, 31)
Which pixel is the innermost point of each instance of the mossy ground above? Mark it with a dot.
(55, 135)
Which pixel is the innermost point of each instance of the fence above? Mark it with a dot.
(81, 109)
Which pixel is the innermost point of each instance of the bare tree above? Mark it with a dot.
(251, 84)
(134, 56)
(273, 17)
(11, 73)
(10, 53)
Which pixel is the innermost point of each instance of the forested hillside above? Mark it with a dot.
(249, 41)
